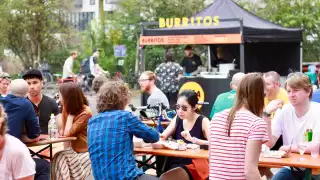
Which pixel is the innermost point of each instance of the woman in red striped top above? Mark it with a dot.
(236, 135)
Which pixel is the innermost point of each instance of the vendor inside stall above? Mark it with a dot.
(221, 57)
(191, 62)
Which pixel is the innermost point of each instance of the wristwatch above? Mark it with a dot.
(265, 113)
(194, 140)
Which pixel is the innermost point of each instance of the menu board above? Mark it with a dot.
(191, 39)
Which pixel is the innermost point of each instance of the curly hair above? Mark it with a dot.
(113, 95)
(3, 121)
(98, 82)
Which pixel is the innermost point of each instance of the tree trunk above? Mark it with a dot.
(101, 14)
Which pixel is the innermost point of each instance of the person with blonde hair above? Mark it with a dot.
(5, 81)
(23, 122)
(16, 161)
(237, 134)
(147, 82)
(273, 88)
(273, 91)
(293, 119)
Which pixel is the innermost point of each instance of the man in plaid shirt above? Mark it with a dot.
(110, 136)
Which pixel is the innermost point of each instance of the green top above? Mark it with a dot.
(223, 101)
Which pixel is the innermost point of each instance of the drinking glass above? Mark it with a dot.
(314, 148)
(302, 146)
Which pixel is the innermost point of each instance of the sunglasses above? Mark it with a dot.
(141, 80)
(299, 74)
(183, 107)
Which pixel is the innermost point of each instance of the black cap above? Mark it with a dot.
(188, 47)
(33, 73)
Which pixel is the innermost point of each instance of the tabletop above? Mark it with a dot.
(151, 123)
(44, 140)
(293, 160)
(202, 154)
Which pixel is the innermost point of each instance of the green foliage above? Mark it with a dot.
(303, 14)
(124, 28)
(32, 29)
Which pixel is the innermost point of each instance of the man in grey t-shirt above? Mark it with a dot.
(147, 83)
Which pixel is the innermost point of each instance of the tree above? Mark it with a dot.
(132, 12)
(33, 28)
(303, 14)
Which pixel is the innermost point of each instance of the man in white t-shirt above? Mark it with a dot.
(292, 120)
(68, 65)
(15, 160)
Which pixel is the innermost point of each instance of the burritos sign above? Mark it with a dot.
(183, 22)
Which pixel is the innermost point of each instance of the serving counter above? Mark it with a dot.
(207, 89)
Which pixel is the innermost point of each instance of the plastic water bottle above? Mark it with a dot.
(52, 127)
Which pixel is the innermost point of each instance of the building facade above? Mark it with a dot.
(84, 11)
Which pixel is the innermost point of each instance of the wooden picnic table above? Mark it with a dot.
(44, 140)
(152, 124)
(294, 160)
(202, 154)
(45, 143)
(311, 164)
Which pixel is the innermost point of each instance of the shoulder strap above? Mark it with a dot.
(177, 121)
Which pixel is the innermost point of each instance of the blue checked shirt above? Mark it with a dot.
(110, 141)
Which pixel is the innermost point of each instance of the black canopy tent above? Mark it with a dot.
(264, 46)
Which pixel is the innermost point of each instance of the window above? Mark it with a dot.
(92, 2)
(111, 1)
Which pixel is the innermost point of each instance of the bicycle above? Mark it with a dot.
(156, 113)
(119, 76)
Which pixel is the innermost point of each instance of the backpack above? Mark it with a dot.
(85, 66)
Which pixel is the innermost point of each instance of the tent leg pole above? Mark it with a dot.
(301, 55)
(209, 58)
(242, 69)
(242, 64)
(142, 66)
(142, 61)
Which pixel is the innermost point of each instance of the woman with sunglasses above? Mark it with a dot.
(191, 127)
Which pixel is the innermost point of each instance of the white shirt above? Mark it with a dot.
(156, 97)
(67, 68)
(16, 161)
(287, 124)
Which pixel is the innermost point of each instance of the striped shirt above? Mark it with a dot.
(227, 154)
(110, 141)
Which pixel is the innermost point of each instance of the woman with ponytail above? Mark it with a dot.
(237, 134)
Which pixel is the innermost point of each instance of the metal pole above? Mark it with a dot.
(142, 65)
(301, 55)
(242, 63)
(209, 58)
